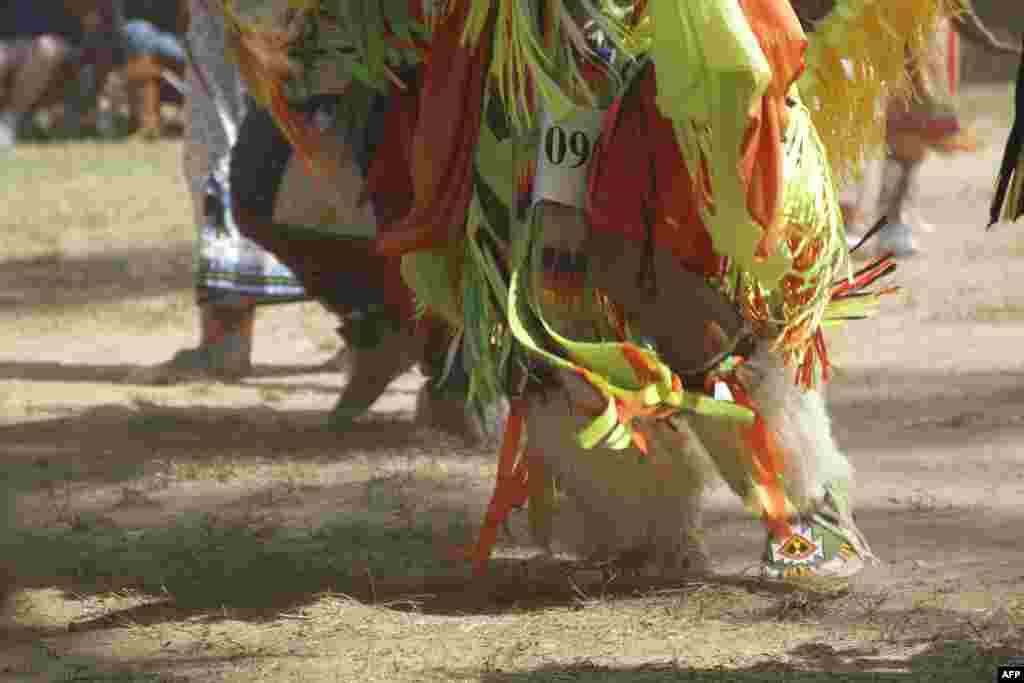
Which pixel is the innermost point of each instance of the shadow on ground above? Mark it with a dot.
(84, 446)
(62, 281)
(869, 406)
(204, 564)
(201, 563)
(946, 661)
(893, 391)
(119, 373)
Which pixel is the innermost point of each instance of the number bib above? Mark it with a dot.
(563, 160)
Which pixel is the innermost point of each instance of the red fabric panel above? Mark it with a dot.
(639, 170)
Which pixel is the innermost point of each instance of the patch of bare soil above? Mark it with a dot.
(215, 531)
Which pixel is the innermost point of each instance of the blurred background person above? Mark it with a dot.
(234, 274)
(125, 51)
(37, 41)
(928, 121)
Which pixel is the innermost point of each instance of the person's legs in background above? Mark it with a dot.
(142, 75)
(224, 351)
(150, 53)
(225, 343)
(907, 151)
(928, 121)
(857, 202)
(225, 317)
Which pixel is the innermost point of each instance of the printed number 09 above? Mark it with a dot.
(558, 144)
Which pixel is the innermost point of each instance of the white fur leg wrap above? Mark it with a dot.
(624, 504)
(799, 421)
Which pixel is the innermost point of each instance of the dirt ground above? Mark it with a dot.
(218, 532)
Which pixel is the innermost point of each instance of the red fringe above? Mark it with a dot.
(445, 140)
(864, 278)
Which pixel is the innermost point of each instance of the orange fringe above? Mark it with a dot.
(511, 488)
(767, 459)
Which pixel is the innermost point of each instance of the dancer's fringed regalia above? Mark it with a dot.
(630, 214)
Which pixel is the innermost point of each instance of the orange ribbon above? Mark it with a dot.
(767, 459)
(510, 490)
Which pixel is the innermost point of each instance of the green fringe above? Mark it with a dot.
(350, 35)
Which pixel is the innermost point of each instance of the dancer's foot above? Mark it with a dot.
(897, 239)
(226, 361)
(378, 351)
(225, 352)
(812, 550)
(825, 544)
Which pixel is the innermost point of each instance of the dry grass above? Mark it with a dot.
(99, 234)
(106, 198)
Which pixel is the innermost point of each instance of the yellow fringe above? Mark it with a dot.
(856, 59)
